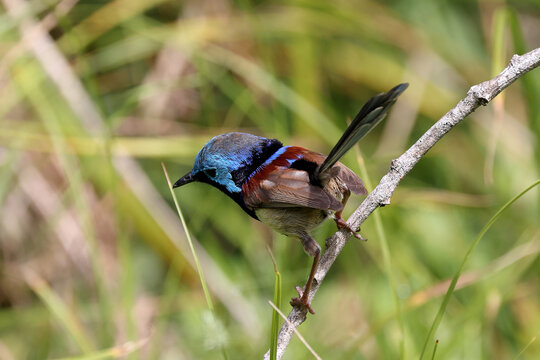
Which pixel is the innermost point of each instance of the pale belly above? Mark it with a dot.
(292, 221)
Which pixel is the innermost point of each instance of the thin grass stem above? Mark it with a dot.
(455, 279)
(387, 258)
(190, 241)
(295, 331)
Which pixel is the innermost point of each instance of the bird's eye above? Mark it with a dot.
(211, 173)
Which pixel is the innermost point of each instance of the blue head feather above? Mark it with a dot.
(227, 160)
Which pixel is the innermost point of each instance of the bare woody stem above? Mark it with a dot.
(477, 95)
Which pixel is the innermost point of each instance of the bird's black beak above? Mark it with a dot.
(186, 179)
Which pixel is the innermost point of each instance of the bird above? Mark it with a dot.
(289, 188)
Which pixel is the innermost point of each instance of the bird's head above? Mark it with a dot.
(227, 160)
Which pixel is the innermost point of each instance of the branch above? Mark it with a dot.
(480, 94)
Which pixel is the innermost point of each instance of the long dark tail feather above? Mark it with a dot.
(372, 113)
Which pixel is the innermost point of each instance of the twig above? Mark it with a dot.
(480, 94)
(296, 331)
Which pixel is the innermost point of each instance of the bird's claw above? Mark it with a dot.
(358, 236)
(302, 301)
(343, 225)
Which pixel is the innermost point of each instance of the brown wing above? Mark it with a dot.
(353, 182)
(285, 187)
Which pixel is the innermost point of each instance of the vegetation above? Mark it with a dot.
(94, 261)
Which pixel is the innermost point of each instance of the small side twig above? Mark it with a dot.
(480, 94)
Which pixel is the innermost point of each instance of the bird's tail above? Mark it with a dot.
(369, 116)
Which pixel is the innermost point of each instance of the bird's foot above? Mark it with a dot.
(343, 225)
(302, 300)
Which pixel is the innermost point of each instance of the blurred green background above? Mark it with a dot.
(94, 262)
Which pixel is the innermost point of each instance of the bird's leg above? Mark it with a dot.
(342, 224)
(313, 249)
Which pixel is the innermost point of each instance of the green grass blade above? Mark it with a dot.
(60, 311)
(500, 24)
(435, 349)
(530, 81)
(498, 59)
(212, 322)
(455, 279)
(127, 285)
(195, 257)
(387, 258)
(275, 316)
(525, 348)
